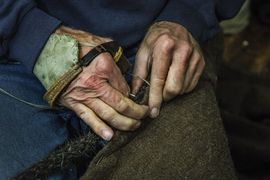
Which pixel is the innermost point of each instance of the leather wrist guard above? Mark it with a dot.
(58, 63)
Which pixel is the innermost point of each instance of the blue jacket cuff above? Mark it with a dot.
(32, 34)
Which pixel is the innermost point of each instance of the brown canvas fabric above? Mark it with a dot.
(187, 140)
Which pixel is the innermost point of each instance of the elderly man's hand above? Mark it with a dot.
(99, 95)
(173, 58)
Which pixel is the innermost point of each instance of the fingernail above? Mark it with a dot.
(154, 112)
(106, 134)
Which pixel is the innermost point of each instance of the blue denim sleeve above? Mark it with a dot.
(200, 17)
(24, 30)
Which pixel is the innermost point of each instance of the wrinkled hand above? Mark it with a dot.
(173, 58)
(99, 95)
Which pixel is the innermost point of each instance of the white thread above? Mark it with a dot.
(147, 82)
(23, 101)
(132, 95)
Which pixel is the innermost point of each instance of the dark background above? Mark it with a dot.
(243, 93)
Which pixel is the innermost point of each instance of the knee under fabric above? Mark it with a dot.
(59, 64)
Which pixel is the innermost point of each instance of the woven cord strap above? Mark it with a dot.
(54, 91)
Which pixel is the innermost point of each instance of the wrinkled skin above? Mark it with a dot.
(174, 59)
(99, 94)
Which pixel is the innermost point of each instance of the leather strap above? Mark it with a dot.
(111, 47)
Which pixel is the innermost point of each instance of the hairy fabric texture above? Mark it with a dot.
(187, 141)
(75, 151)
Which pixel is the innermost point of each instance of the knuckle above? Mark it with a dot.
(187, 48)
(123, 106)
(83, 114)
(108, 114)
(129, 125)
(165, 36)
(173, 90)
(158, 82)
(124, 127)
(104, 63)
(124, 124)
(91, 102)
(167, 42)
(114, 121)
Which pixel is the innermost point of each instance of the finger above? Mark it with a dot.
(90, 118)
(122, 104)
(197, 76)
(118, 81)
(109, 115)
(176, 76)
(162, 55)
(191, 70)
(141, 69)
(107, 67)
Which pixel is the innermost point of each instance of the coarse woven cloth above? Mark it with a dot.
(187, 140)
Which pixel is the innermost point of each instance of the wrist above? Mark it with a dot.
(86, 41)
(83, 37)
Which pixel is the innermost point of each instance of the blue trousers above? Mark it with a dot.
(28, 134)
